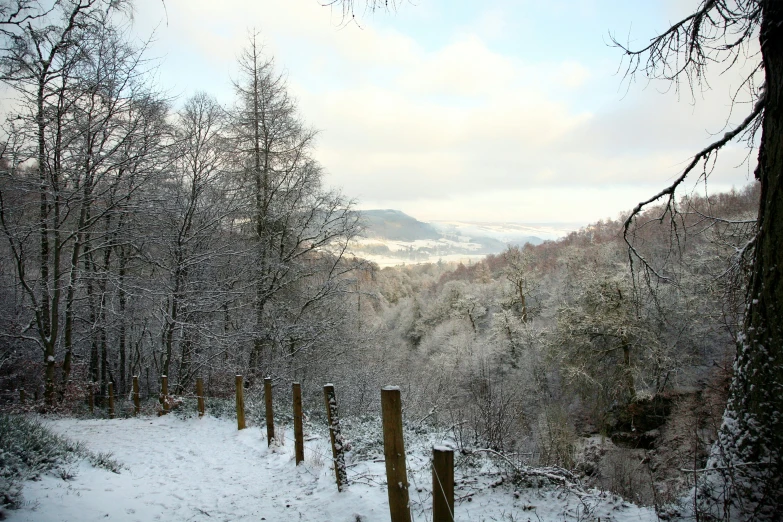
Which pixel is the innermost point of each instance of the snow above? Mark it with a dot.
(516, 233)
(205, 470)
(412, 252)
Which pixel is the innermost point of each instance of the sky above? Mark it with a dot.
(491, 110)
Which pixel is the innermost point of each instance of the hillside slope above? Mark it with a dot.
(391, 237)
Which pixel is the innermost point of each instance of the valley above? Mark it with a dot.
(391, 238)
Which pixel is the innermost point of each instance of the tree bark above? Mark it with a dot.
(122, 298)
(751, 437)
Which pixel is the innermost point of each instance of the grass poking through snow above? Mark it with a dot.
(29, 448)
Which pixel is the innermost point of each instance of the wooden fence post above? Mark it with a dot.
(91, 398)
(200, 396)
(336, 437)
(240, 404)
(111, 400)
(270, 416)
(394, 454)
(442, 484)
(136, 398)
(298, 431)
(21, 396)
(164, 393)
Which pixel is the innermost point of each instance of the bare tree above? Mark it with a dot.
(84, 124)
(605, 346)
(349, 8)
(719, 34)
(520, 274)
(300, 231)
(197, 201)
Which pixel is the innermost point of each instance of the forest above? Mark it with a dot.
(146, 236)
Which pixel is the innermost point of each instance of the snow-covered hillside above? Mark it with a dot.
(391, 237)
(205, 470)
(510, 233)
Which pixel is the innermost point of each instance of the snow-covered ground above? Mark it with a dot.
(515, 233)
(387, 252)
(389, 260)
(193, 469)
(462, 242)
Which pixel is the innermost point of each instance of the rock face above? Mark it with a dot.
(637, 424)
(650, 444)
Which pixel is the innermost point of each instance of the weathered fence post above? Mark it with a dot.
(270, 416)
(164, 393)
(91, 398)
(21, 396)
(136, 398)
(394, 454)
(200, 396)
(111, 400)
(442, 484)
(336, 437)
(298, 431)
(240, 404)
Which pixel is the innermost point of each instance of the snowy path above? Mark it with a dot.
(205, 470)
(208, 471)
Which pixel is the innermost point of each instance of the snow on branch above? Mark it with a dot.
(669, 191)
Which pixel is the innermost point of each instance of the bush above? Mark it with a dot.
(556, 438)
(29, 448)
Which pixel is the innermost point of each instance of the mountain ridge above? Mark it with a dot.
(391, 237)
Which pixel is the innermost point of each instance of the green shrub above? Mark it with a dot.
(28, 448)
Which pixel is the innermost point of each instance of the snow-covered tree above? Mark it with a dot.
(298, 230)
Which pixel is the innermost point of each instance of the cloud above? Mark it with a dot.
(573, 74)
(461, 126)
(575, 204)
(492, 23)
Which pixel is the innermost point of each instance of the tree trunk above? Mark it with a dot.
(89, 268)
(47, 330)
(629, 380)
(186, 357)
(123, 261)
(750, 445)
(70, 295)
(104, 354)
(171, 321)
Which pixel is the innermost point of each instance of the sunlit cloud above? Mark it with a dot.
(463, 126)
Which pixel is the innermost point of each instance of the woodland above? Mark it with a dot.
(200, 242)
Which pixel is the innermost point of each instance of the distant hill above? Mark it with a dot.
(396, 226)
(391, 237)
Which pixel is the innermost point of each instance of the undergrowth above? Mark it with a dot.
(28, 448)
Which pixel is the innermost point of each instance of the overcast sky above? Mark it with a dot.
(485, 110)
